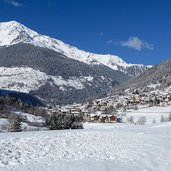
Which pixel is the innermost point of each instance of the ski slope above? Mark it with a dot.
(119, 147)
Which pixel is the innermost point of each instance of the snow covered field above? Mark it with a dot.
(119, 147)
(151, 113)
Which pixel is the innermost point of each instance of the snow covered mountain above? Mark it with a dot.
(55, 71)
(13, 32)
(53, 76)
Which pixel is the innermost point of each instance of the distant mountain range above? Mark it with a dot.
(55, 71)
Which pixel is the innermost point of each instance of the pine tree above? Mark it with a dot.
(14, 124)
(64, 121)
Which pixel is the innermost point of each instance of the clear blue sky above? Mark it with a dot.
(139, 31)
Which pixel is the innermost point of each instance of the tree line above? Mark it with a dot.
(53, 121)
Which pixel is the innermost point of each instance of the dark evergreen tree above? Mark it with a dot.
(64, 121)
(14, 124)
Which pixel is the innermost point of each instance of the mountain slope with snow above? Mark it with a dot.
(53, 76)
(156, 80)
(13, 32)
(25, 79)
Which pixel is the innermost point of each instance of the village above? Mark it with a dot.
(114, 108)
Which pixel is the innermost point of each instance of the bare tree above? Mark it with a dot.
(131, 119)
(142, 120)
(162, 119)
(169, 118)
(135, 107)
(154, 121)
(90, 101)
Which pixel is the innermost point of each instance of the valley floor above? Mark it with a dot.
(119, 147)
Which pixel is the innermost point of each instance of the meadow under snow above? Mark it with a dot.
(119, 147)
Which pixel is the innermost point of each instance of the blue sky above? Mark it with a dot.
(139, 31)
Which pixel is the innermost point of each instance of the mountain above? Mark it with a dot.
(155, 80)
(52, 76)
(55, 71)
(13, 32)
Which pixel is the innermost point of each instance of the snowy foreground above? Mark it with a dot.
(119, 147)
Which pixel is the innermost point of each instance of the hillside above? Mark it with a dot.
(155, 79)
(23, 97)
(44, 72)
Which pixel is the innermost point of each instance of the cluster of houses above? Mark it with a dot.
(106, 110)
(152, 99)
(75, 110)
(109, 118)
(87, 113)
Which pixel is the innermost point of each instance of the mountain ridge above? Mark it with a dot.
(13, 32)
